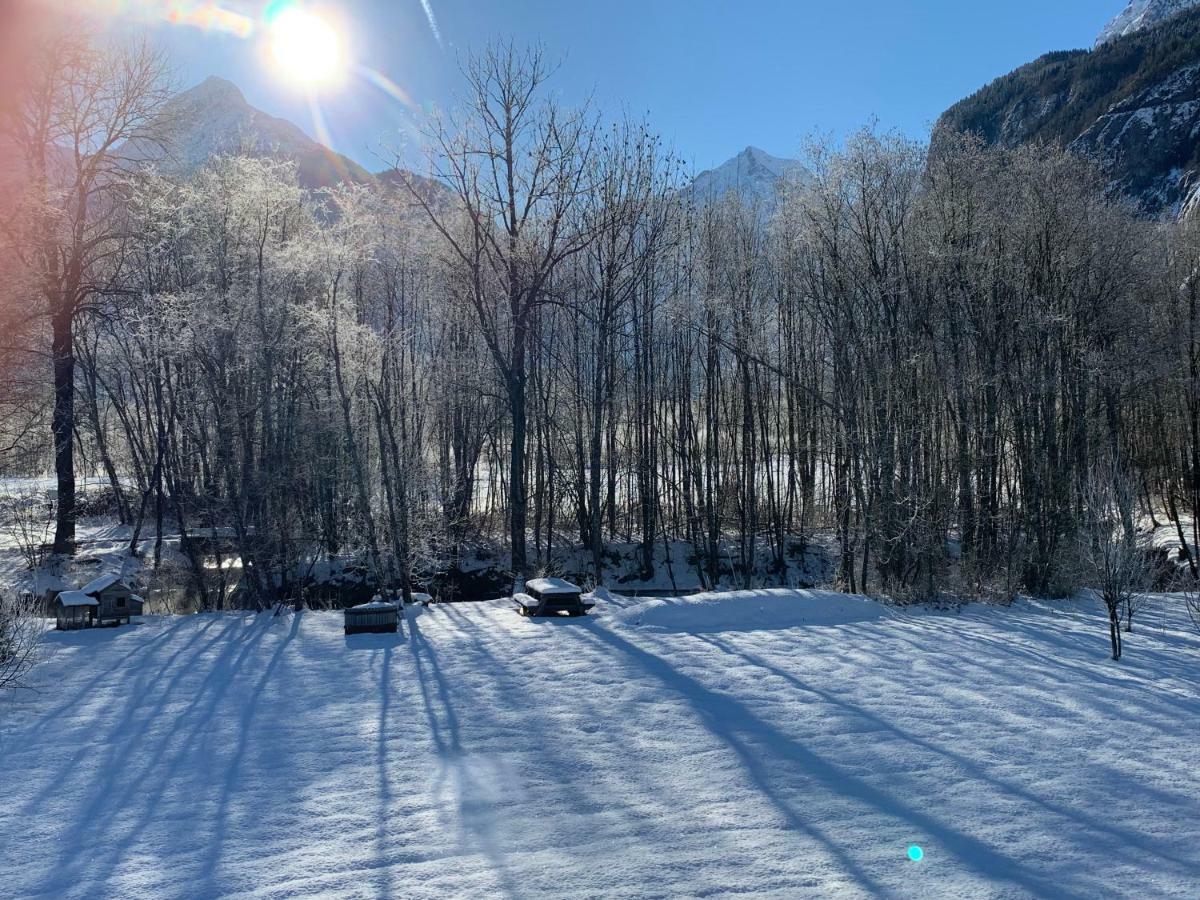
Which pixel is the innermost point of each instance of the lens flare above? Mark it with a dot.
(305, 47)
(385, 84)
(205, 15)
(915, 853)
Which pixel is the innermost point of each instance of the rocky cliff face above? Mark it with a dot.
(1147, 142)
(1132, 105)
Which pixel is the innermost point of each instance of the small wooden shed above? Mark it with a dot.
(550, 597)
(116, 601)
(376, 617)
(74, 610)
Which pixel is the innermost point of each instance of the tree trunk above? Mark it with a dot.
(63, 426)
(518, 498)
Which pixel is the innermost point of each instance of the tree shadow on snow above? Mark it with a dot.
(742, 731)
(1119, 841)
(456, 776)
(131, 768)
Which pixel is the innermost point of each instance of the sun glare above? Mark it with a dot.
(306, 48)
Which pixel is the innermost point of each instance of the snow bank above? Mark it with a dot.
(750, 611)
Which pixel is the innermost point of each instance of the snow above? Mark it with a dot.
(552, 586)
(377, 604)
(751, 610)
(753, 174)
(77, 598)
(487, 754)
(1141, 14)
(101, 584)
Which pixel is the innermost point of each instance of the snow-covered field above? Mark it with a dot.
(766, 744)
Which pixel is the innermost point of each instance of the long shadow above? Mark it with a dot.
(546, 729)
(233, 766)
(384, 807)
(140, 681)
(1010, 649)
(118, 669)
(737, 726)
(1125, 840)
(446, 743)
(449, 744)
(1172, 705)
(451, 750)
(127, 744)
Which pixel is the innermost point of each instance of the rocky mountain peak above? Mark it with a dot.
(1141, 14)
(753, 173)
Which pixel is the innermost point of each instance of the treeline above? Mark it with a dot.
(924, 360)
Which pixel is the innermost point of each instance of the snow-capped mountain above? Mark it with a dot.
(1141, 14)
(214, 118)
(753, 173)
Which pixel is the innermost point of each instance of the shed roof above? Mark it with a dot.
(552, 586)
(77, 598)
(101, 584)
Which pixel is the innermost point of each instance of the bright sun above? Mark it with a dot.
(305, 47)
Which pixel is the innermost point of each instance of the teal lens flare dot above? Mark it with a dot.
(271, 13)
(915, 853)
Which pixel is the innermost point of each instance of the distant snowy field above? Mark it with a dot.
(771, 744)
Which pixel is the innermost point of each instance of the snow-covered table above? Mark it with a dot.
(550, 597)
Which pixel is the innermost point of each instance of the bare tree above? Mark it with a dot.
(518, 168)
(1120, 569)
(80, 103)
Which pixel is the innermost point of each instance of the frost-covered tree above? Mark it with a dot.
(21, 628)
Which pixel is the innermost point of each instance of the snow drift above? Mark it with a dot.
(750, 611)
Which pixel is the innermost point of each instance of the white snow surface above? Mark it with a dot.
(551, 586)
(750, 610)
(1140, 14)
(101, 584)
(376, 604)
(483, 754)
(77, 598)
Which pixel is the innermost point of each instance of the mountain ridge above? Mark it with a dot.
(1142, 14)
(214, 117)
(1131, 105)
(754, 174)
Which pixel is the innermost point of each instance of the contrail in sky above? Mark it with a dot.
(433, 25)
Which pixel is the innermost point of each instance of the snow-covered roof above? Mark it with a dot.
(136, 599)
(103, 583)
(552, 586)
(77, 598)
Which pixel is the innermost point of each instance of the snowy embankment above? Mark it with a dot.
(775, 744)
(773, 608)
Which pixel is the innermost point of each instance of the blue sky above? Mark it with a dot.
(713, 76)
